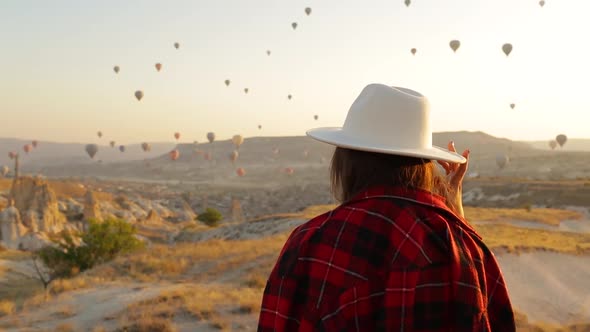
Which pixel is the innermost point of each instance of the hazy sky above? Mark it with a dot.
(57, 81)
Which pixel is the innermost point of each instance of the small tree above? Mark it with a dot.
(210, 217)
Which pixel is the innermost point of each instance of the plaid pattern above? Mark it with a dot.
(389, 260)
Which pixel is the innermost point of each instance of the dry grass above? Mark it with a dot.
(542, 215)
(14, 255)
(516, 239)
(7, 308)
(79, 282)
(65, 327)
(65, 312)
(523, 324)
(149, 324)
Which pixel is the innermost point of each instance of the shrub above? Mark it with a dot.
(211, 217)
(101, 243)
(6, 308)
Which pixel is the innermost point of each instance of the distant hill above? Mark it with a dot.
(574, 144)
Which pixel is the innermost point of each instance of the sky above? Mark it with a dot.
(58, 83)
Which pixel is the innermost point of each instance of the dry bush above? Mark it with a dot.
(79, 282)
(516, 239)
(542, 215)
(65, 327)
(7, 308)
(149, 324)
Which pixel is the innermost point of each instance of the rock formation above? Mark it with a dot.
(37, 204)
(11, 228)
(91, 207)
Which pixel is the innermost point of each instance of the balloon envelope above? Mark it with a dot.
(413, 51)
(177, 136)
(512, 106)
(12, 155)
(240, 171)
(138, 95)
(176, 45)
(455, 44)
(146, 147)
(237, 140)
(507, 48)
(91, 149)
(308, 11)
(407, 2)
(27, 148)
(116, 69)
(227, 82)
(552, 144)
(99, 134)
(542, 3)
(268, 52)
(4, 170)
(246, 90)
(112, 143)
(289, 171)
(233, 156)
(502, 160)
(211, 137)
(561, 139)
(174, 154)
(289, 97)
(122, 148)
(315, 117)
(158, 66)
(294, 25)
(259, 127)
(35, 143)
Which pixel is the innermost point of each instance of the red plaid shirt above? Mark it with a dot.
(388, 260)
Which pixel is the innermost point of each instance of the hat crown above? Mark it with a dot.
(390, 115)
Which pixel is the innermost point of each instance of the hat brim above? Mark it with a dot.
(337, 137)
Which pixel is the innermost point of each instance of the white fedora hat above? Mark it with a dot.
(388, 120)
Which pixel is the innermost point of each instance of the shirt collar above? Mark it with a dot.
(418, 196)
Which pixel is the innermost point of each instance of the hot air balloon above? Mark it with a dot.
(211, 137)
(259, 127)
(455, 44)
(413, 51)
(4, 170)
(308, 11)
(27, 148)
(35, 143)
(207, 156)
(176, 45)
(289, 97)
(246, 90)
(233, 156)
(158, 66)
(227, 82)
(91, 149)
(116, 69)
(177, 136)
(268, 52)
(552, 144)
(512, 106)
(502, 160)
(294, 25)
(507, 48)
(237, 140)
(138, 95)
(289, 171)
(542, 3)
(146, 147)
(112, 143)
(315, 117)
(561, 139)
(407, 2)
(99, 134)
(122, 148)
(12, 155)
(174, 154)
(240, 171)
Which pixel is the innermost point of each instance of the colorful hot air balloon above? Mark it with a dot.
(240, 171)
(27, 148)
(233, 156)
(174, 154)
(227, 82)
(146, 147)
(502, 160)
(112, 143)
(455, 44)
(176, 45)
(246, 90)
(507, 48)
(561, 140)
(158, 66)
(407, 2)
(237, 140)
(512, 106)
(294, 25)
(138, 95)
(91, 149)
(116, 69)
(211, 137)
(552, 144)
(35, 143)
(177, 136)
(122, 148)
(542, 3)
(308, 11)
(413, 51)
(12, 155)
(4, 171)
(99, 134)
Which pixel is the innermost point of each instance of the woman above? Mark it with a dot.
(395, 255)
